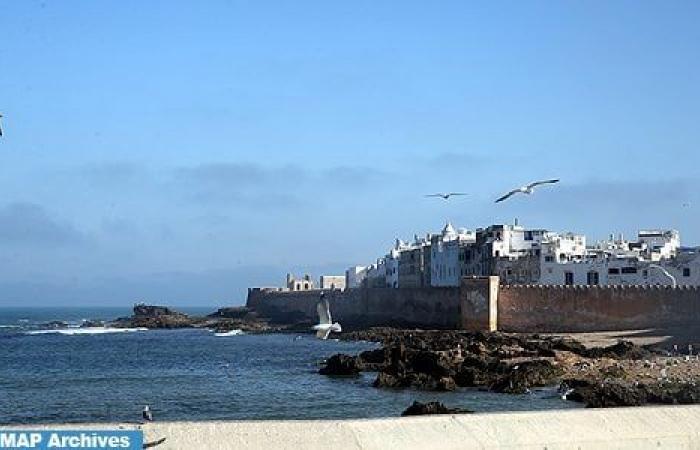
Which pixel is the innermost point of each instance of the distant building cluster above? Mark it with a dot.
(531, 256)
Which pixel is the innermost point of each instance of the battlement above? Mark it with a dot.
(618, 287)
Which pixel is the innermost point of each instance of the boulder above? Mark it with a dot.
(527, 374)
(340, 365)
(418, 408)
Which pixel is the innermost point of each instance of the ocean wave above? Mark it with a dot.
(229, 333)
(86, 330)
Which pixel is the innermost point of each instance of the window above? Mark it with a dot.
(549, 258)
(593, 278)
(629, 270)
(686, 271)
(614, 271)
(568, 278)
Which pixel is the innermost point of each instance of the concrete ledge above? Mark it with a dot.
(671, 427)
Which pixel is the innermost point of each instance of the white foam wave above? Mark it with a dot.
(229, 333)
(86, 330)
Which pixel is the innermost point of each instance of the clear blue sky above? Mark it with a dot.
(177, 153)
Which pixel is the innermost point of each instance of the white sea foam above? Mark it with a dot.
(86, 330)
(229, 333)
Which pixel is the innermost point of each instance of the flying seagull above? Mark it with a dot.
(147, 414)
(0, 126)
(447, 195)
(325, 325)
(527, 189)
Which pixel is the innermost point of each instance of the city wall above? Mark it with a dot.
(353, 308)
(482, 304)
(533, 308)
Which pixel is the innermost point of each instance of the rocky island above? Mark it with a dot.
(222, 320)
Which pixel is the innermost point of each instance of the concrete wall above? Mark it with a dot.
(595, 308)
(420, 307)
(668, 427)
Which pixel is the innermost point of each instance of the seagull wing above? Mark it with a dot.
(457, 193)
(324, 312)
(434, 195)
(508, 195)
(538, 183)
(323, 334)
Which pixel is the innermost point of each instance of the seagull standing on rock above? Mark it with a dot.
(527, 189)
(147, 414)
(325, 325)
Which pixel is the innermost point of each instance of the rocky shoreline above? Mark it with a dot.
(623, 374)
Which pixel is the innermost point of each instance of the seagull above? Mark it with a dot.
(0, 126)
(147, 414)
(447, 195)
(326, 325)
(527, 189)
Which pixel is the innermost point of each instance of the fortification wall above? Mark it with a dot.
(480, 304)
(419, 307)
(536, 308)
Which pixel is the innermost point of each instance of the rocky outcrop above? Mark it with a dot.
(612, 393)
(341, 365)
(418, 409)
(223, 320)
(150, 316)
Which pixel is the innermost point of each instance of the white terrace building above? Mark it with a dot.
(446, 255)
(654, 259)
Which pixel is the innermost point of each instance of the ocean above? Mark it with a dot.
(193, 375)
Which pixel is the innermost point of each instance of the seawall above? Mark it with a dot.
(482, 304)
(532, 308)
(421, 307)
(670, 427)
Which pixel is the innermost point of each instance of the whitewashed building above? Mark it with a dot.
(332, 282)
(446, 255)
(354, 276)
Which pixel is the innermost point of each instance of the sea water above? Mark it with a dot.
(194, 375)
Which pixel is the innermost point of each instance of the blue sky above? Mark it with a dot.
(177, 153)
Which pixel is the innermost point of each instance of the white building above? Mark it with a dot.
(332, 282)
(354, 276)
(654, 259)
(446, 255)
(299, 284)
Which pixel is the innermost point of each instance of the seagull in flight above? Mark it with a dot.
(326, 325)
(0, 126)
(527, 189)
(447, 195)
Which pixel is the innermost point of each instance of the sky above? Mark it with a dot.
(179, 152)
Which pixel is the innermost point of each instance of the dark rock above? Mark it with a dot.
(92, 324)
(527, 374)
(373, 360)
(606, 395)
(621, 350)
(673, 393)
(387, 380)
(430, 363)
(418, 408)
(234, 312)
(446, 384)
(340, 365)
